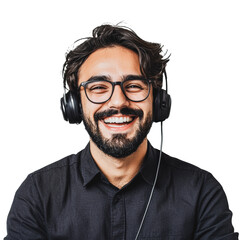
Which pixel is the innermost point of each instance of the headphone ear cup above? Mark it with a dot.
(71, 107)
(161, 105)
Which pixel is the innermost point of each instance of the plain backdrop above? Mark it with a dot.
(203, 75)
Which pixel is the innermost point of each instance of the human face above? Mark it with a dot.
(119, 125)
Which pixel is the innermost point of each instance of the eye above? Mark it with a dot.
(135, 86)
(98, 87)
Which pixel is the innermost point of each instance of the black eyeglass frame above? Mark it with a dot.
(120, 83)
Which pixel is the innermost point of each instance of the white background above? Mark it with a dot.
(203, 38)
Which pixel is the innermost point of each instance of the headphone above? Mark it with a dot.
(72, 109)
(161, 102)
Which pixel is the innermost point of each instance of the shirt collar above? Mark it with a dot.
(148, 170)
(88, 166)
(149, 166)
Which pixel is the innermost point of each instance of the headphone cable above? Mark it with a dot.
(154, 184)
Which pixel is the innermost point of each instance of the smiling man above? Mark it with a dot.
(114, 188)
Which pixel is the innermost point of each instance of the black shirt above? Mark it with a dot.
(71, 199)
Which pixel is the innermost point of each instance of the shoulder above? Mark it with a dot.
(60, 165)
(59, 169)
(184, 174)
(182, 167)
(52, 176)
(189, 182)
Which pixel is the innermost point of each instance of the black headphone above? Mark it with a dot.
(161, 102)
(72, 108)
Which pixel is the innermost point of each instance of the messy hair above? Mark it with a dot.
(151, 59)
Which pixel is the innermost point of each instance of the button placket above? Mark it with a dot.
(118, 217)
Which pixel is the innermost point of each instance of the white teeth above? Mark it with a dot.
(118, 119)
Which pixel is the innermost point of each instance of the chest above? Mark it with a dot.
(108, 214)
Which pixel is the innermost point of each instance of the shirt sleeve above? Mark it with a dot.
(214, 216)
(25, 219)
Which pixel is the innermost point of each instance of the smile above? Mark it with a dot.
(119, 123)
(118, 120)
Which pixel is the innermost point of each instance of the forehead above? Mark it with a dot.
(114, 61)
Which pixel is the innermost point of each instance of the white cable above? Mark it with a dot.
(154, 184)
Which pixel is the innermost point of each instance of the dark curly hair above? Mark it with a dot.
(152, 62)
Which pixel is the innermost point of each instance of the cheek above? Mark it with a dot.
(88, 108)
(83, 104)
(147, 104)
(148, 107)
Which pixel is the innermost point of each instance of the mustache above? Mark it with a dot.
(125, 111)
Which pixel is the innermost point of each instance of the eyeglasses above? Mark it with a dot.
(100, 91)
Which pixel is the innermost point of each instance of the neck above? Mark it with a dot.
(119, 171)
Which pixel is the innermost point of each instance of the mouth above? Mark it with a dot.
(119, 121)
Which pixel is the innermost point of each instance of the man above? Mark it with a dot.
(114, 188)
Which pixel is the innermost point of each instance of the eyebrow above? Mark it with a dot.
(99, 77)
(134, 77)
(125, 77)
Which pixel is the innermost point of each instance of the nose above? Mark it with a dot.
(118, 99)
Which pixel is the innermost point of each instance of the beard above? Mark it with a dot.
(118, 146)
